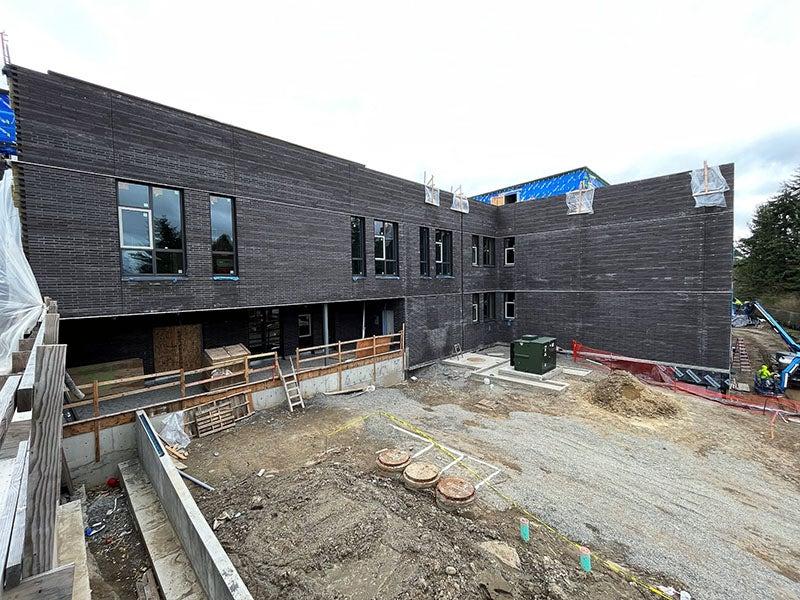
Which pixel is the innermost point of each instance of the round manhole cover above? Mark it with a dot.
(393, 457)
(421, 473)
(455, 489)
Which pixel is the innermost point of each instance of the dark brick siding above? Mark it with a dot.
(647, 274)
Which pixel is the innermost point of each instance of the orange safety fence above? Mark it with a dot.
(664, 375)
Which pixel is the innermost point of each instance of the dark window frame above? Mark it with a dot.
(362, 272)
(489, 252)
(424, 252)
(475, 250)
(310, 326)
(489, 307)
(234, 233)
(152, 247)
(444, 259)
(509, 243)
(394, 244)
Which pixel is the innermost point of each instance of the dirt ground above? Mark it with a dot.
(328, 526)
(117, 557)
(679, 499)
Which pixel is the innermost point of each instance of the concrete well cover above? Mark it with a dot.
(421, 472)
(456, 489)
(394, 457)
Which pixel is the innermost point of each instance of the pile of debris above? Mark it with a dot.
(622, 393)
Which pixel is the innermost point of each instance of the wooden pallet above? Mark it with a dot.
(215, 418)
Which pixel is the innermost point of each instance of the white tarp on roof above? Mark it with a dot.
(20, 300)
(709, 187)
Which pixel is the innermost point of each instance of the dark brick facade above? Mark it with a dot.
(646, 275)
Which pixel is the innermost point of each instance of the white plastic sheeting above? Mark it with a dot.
(21, 302)
(431, 192)
(580, 202)
(460, 201)
(708, 187)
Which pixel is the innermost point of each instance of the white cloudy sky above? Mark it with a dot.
(483, 94)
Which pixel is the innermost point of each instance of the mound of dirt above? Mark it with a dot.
(621, 393)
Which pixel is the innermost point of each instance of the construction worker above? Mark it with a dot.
(764, 382)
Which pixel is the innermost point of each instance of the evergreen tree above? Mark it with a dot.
(769, 261)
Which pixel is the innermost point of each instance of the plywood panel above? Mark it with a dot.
(178, 346)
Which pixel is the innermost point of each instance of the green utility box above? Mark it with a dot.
(534, 354)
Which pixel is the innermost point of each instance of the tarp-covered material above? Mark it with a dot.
(546, 187)
(709, 187)
(21, 302)
(8, 129)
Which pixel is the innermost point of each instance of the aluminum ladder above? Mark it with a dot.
(291, 387)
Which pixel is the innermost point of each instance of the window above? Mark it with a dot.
(444, 253)
(508, 254)
(223, 236)
(304, 325)
(150, 230)
(476, 300)
(510, 198)
(357, 246)
(475, 244)
(488, 307)
(488, 252)
(386, 248)
(424, 252)
(509, 305)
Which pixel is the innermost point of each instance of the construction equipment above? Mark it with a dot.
(291, 387)
(788, 363)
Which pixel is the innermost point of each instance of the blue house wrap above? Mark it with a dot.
(554, 185)
(8, 129)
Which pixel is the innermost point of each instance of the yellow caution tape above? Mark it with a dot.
(616, 568)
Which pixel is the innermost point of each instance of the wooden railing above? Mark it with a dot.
(310, 362)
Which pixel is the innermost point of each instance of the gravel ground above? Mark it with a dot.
(684, 498)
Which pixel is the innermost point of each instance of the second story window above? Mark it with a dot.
(508, 251)
(386, 248)
(488, 252)
(475, 245)
(357, 246)
(223, 236)
(150, 230)
(444, 253)
(424, 252)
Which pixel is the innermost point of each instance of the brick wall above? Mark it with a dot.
(646, 275)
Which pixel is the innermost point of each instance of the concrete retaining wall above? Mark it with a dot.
(214, 569)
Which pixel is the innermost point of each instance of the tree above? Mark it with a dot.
(769, 261)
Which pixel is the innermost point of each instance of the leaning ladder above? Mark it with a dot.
(291, 387)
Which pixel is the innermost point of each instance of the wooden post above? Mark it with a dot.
(183, 383)
(44, 462)
(96, 413)
(705, 175)
(374, 362)
(403, 349)
(339, 364)
(249, 394)
(276, 367)
(50, 328)
(297, 359)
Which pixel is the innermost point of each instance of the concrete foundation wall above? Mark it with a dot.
(214, 569)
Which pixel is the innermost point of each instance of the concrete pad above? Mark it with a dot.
(575, 372)
(171, 566)
(474, 361)
(71, 547)
(511, 372)
(556, 386)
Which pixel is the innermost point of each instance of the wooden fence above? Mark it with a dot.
(309, 362)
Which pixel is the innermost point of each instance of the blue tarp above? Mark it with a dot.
(555, 185)
(8, 129)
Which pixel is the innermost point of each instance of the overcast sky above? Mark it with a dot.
(482, 94)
